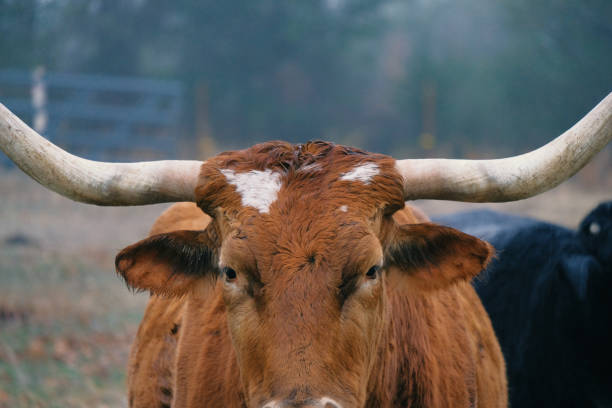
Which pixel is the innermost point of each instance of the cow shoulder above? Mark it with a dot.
(153, 355)
(441, 352)
(484, 348)
(205, 357)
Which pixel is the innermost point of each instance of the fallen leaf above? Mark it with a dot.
(36, 349)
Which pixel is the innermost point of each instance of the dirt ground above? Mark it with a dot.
(66, 320)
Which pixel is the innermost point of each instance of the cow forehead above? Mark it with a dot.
(303, 237)
(281, 175)
(259, 189)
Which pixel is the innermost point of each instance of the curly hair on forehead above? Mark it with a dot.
(314, 167)
(278, 155)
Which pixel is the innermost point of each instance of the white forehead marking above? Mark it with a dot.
(257, 188)
(343, 208)
(363, 173)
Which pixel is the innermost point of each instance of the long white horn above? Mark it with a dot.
(95, 182)
(512, 178)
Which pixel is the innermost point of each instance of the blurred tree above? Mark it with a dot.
(566, 47)
(17, 32)
(94, 36)
(273, 70)
(508, 75)
(269, 69)
(418, 77)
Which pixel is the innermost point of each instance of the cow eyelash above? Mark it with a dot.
(372, 273)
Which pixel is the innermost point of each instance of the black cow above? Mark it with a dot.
(549, 296)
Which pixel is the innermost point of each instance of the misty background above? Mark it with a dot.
(411, 78)
(151, 79)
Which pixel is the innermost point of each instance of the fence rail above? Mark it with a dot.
(96, 116)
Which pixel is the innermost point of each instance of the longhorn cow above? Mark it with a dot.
(296, 277)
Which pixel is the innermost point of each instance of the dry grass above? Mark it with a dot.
(66, 320)
(65, 328)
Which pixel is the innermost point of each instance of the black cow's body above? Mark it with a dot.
(548, 295)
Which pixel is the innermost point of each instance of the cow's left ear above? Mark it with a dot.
(169, 264)
(429, 256)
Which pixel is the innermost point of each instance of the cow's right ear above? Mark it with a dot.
(169, 264)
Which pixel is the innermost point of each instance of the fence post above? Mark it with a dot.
(39, 100)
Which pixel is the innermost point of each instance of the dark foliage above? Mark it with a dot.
(419, 78)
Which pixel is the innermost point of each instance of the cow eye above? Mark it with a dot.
(373, 272)
(230, 274)
(594, 228)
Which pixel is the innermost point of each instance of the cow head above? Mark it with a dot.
(304, 241)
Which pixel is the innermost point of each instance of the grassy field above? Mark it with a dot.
(65, 328)
(66, 320)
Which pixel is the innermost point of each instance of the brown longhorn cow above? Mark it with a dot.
(300, 279)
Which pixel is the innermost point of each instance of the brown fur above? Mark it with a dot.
(301, 320)
(153, 355)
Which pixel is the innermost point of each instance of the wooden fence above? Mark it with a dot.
(99, 117)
